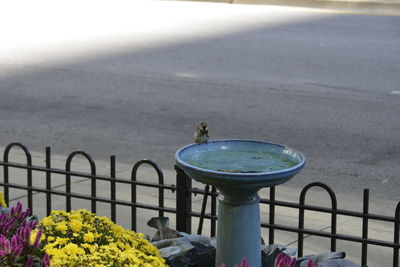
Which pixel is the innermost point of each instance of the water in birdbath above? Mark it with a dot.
(241, 161)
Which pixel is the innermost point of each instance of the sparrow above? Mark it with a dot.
(201, 133)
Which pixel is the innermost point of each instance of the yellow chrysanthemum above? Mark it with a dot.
(88, 237)
(46, 222)
(2, 202)
(62, 227)
(81, 238)
(76, 225)
(73, 249)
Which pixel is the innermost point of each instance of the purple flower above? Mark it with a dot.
(24, 234)
(3, 217)
(15, 235)
(45, 261)
(16, 251)
(14, 241)
(29, 262)
(13, 211)
(25, 214)
(16, 211)
(6, 246)
(37, 239)
(2, 239)
(10, 225)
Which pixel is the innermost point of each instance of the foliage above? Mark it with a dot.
(19, 240)
(80, 238)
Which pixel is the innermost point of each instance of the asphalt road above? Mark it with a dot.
(134, 80)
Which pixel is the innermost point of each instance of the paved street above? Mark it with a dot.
(134, 80)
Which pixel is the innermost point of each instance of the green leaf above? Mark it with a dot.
(32, 218)
(37, 252)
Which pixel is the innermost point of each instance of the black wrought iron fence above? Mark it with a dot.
(301, 230)
(92, 176)
(184, 192)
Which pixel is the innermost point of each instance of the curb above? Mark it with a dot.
(370, 7)
(374, 7)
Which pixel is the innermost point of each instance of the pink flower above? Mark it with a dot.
(283, 260)
(242, 264)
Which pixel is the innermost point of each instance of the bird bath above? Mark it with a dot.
(239, 169)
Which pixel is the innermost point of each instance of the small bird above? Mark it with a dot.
(201, 133)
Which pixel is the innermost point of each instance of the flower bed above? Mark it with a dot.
(81, 238)
(76, 238)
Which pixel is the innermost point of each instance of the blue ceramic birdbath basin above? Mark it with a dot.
(239, 169)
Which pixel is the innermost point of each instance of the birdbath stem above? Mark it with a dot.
(239, 235)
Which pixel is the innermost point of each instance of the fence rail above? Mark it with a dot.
(184, 193)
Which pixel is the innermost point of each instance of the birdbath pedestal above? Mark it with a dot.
(239, 169)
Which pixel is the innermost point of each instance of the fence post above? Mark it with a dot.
(396, 236)
(364, 249)
(183, 201)
(332, 195)
(68, 164)
(113, 189)
(272, 215)
(213, 211)
(203, 209)
(48, 180)
(29, 173)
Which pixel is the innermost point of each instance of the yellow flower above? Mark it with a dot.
(80, 238)
(46, 222)
(76, 225)
(2, 202)
(33, 236)
(73, 249)
(88, 237)
(62, 227)
(75, 215)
